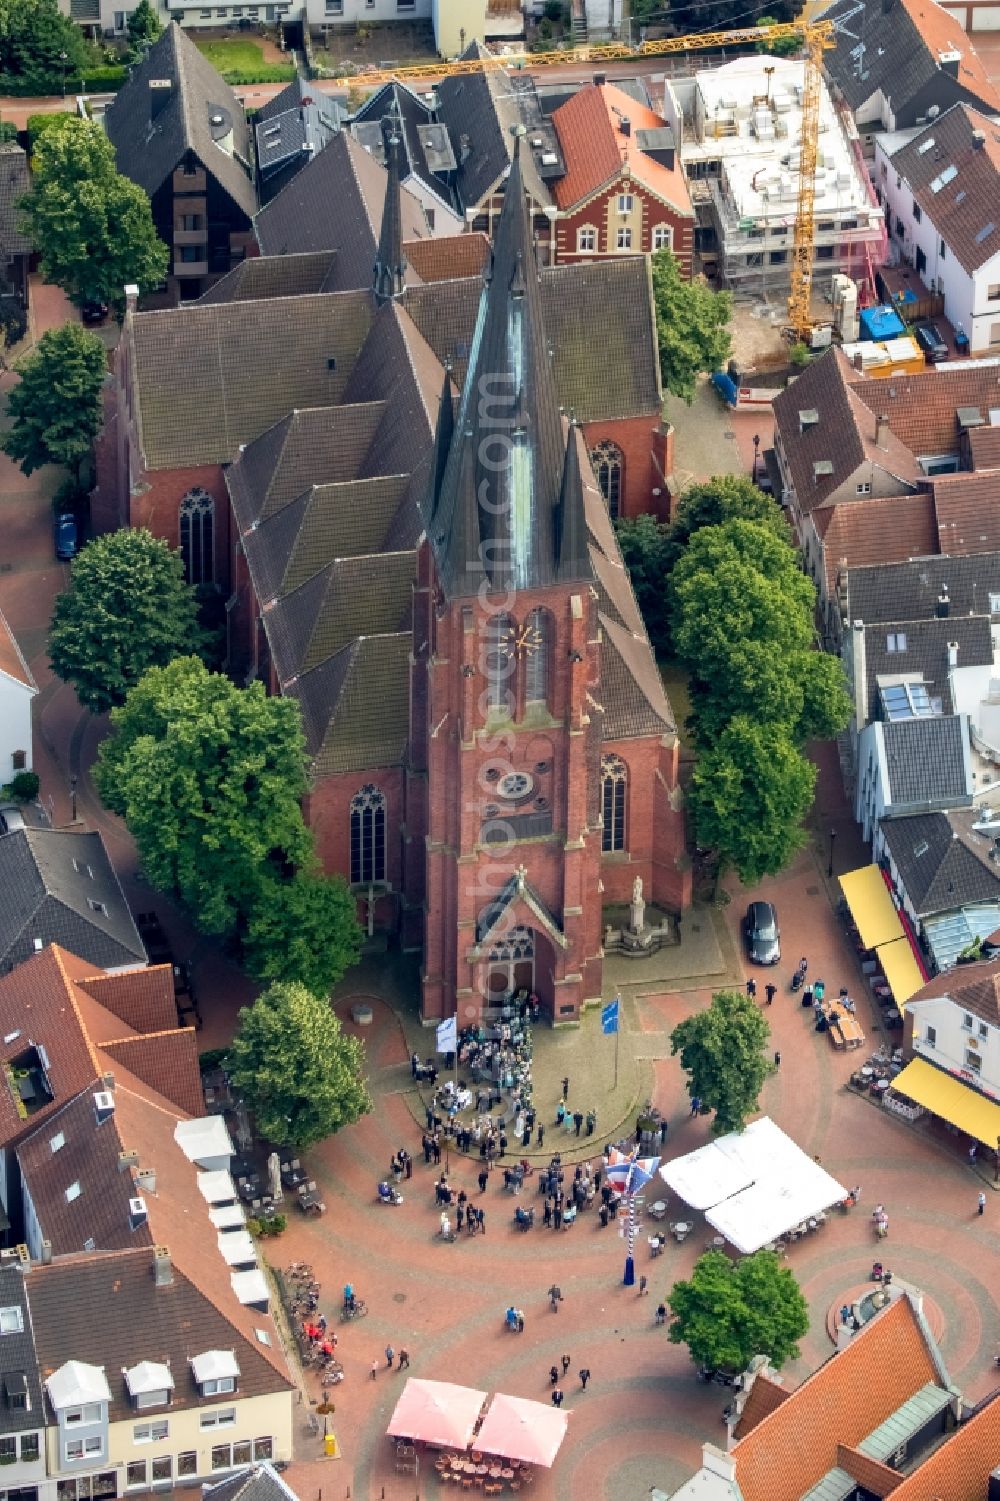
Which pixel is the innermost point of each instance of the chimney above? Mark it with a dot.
(943, 607)
(860, 675)
(131, 297)
(145, 1178)
(127, 1160)
(104, 1109)
(137, 1214)
(46, 1253)
(948, 62)
(160, 91)
(600, 79)
(979, 139)
(882, 432)
(626, 125)
(37, 945)
(952, 653)
(108, 1082)
(859, 361)
(163, 1272)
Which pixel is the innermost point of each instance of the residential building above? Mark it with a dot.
(15, 247)
(899, 63)
(357, 421)
(427, 162)
(180, 132)
(951, 1035)
(939, 187)
(902, 668)
(741, 158)
(623, 189)
(23, 1417)
(943, 868)
(290, 130)
(927, 588)
(881, 1416)
(911, 765)
(59, 886)
(17, 690)
(876, 471)
(459, 22)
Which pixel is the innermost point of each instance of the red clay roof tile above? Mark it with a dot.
(596, 152)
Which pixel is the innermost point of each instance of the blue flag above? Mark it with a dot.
(609, 1017)
(447, 1036)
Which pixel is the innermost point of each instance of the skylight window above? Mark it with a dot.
(925, 146)
(960, 196)
(73, 1192)
(984, 234)
(11, 1321)
(944, 178)
(58, 1141)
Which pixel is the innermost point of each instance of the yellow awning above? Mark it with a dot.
(900, 969)
(871, 906)
(950, 1099)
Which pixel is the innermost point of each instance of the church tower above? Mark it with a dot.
(504, 765)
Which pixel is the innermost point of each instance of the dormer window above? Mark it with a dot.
(149, 1384)
(215, 1372)
(15, 1388)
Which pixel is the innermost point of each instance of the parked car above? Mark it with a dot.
(928, 336)
(763, 938)
(66, 536)
(93, 311)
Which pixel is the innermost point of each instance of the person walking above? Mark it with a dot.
(553, 1375)
(695, 1105)
(557, 1398)
(484, 1178)
(770, 991)
(752, 988)
(404, 1358)
(578, 1120)
(661, 1313)
(584, 1377)
(408, 1160)
(541, 1133)
(643, 1285)
(982, 1203)
(390, 1356)
(566, 1363)
(374, 1369)
(777, 1060)
(565, 1089)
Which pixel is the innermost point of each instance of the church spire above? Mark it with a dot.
(507, 455)
(443, 435)
(390, 263)
(572, 555)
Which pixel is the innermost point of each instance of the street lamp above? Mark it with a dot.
(833, 836)
(756, 454)
(63, 59)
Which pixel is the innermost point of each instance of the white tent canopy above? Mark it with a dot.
(753, 1185)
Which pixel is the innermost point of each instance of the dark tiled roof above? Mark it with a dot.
(138, 1321)
(410, 113)
(262, 276)
(927, 760)
(481, 111)
(14, 183)
(43, 896)
(342, 521)
(259, 1482)
(336, 203)
(18, 1359)
(356, 705)
(300, 119)
(922, 408)
(148, 151)
(320, 445)
(925, 653)
(896, 49)
(941, 863)
(910, 591)
(962, 208)
(967, 509)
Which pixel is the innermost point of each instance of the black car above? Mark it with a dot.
(760, 928)
(928, 336)
(93, 311)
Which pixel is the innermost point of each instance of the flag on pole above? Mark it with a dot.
(447, 1035)
(609, 1017)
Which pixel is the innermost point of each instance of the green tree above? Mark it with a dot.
(143, 29)
(301, 1077)
(34, 36)
(56, 405)
(784, 46)
(692, 326)
(728, 1311)
(644, 547)
(304, 930)
(726, 497)
(723, 1054)
(128, 608)
(749, 793)
(92, 227)
(208, 778)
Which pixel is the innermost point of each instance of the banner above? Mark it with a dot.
(609, 1017)
(447, 1036)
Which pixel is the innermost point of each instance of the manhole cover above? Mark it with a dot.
(399, 1297)
(812, 891)
(730, 435)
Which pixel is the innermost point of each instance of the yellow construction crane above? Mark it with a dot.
(817, 36)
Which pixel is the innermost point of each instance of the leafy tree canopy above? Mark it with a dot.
(784, 46)
(749, 793)
(644, 544)
(128, 608)
(300, 1075)
(93, 228)
(692, 326)
(728, 1312)
(722, 1053)
(208, 777)
(33, 36)
(303, 930)
(727, 497)
(144, 27)
(56, 405)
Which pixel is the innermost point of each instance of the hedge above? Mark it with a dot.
(38, 124)
(275, 73)
(92, 81)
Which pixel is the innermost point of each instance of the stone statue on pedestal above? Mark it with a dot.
(638, 907)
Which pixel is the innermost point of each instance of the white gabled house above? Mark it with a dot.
(17, 689)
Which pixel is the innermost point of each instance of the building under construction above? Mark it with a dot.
(742, 152)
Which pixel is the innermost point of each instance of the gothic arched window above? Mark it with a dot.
(500, 661)
(367, 836)
(609, 465)
(537, 651)
(197, 528)
(614, 785)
